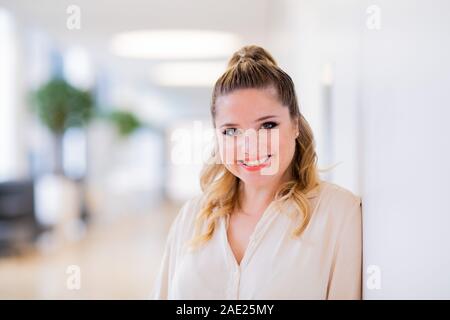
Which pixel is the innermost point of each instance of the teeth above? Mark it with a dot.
(256, 162)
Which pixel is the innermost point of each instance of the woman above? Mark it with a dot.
(266, 226)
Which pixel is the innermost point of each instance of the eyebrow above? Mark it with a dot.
(257, 120)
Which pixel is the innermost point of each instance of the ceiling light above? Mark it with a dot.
(187, 74)
(175, 44)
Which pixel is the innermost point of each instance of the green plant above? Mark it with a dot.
(61, 106)
(126, 122)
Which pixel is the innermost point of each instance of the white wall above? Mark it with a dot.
(13, 163)
(390, 127)
(405, 107)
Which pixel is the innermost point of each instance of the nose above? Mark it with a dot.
(248, 145)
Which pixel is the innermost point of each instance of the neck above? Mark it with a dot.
(252, 200)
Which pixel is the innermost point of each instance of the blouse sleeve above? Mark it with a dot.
(345, 280)
(163, 280)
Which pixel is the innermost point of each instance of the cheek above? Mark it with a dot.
(286, 149)
(227, 149)
(280, 143)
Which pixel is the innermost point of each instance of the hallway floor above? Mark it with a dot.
(117, 260)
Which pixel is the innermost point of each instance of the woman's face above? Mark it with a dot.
(255, 134)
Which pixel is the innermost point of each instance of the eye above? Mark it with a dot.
(269, 125)
(230, 132)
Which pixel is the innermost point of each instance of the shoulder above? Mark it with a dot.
(184, 221)
(192, 206)
(340, 210)
(340, 201)
(339, 194)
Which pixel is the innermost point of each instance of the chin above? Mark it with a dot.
(254, 178)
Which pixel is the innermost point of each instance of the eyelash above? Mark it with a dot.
(272, 125)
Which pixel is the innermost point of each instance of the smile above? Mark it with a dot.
(256, 163)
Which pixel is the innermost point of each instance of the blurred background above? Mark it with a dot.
(104, 109)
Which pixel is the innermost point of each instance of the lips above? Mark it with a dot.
(256, 164)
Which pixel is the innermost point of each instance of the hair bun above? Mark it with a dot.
(251, 53)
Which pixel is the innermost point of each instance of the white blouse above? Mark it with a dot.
(323, 263)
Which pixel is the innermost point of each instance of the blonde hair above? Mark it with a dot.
(254, 67)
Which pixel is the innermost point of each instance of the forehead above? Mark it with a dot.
(248, 104)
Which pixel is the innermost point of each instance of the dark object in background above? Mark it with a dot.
(18, 224)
